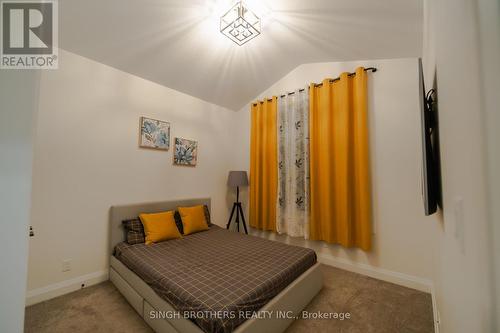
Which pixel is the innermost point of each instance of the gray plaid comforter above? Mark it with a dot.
(216, 277)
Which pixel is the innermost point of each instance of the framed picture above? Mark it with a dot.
(154, 134)
(185, 152)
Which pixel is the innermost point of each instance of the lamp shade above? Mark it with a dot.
(237, 178)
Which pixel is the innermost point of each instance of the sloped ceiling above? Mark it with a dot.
(177, 43)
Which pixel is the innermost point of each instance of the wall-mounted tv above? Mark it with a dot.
(431, 169)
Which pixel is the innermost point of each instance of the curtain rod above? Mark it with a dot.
(368, 69)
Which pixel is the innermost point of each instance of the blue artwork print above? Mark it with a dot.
(186, 152)
(155, 134)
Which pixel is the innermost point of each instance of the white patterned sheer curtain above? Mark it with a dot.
(293, 162)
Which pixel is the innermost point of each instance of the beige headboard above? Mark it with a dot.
(120, 213)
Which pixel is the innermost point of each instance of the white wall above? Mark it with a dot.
(463, 269)
(87, 158)
(18, 98)
(489, 38)
(403, 242)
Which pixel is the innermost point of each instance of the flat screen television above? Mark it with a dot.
(431, 178)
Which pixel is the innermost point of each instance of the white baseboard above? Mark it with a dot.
(401, 279)
(435, 311)
(405, 280)
(64, 287)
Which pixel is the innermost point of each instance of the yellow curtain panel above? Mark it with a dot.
(340, 191)
(263, 165)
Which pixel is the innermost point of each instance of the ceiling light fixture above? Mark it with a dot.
(240, 24)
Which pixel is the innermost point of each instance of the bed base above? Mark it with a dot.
(145, 301)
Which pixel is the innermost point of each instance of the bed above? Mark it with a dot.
(224, 275)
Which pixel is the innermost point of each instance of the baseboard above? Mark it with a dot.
(401, 279)
(435, 311)
(64, 287)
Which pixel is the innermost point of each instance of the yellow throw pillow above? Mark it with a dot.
(193, 219)
(159, 227)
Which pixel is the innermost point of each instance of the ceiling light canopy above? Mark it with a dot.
(240, 24)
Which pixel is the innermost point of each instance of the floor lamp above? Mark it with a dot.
(237, 179)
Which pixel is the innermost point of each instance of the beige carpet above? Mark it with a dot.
(375, 306)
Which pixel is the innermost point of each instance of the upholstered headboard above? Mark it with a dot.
(124, 212)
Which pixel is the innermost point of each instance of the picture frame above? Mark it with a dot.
(185, 152)
(154, 134)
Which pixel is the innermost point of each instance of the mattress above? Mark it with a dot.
(217, 278)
